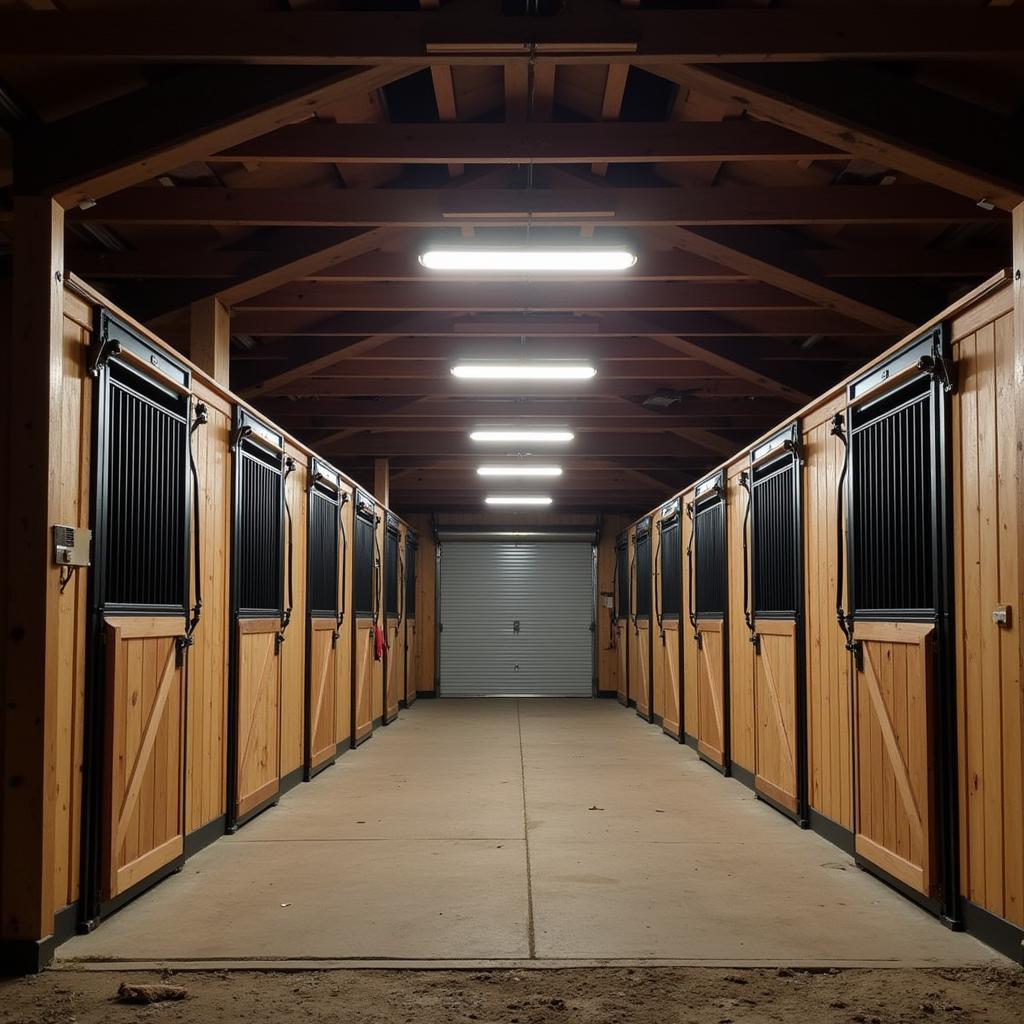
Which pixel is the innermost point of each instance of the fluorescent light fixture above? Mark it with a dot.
(578, 259)
(535, 436)
(524, 371)
(517, 499)
(519, 469)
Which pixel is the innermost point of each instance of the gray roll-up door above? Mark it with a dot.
(487, 588)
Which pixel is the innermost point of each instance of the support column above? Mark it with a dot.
(31, 437)
(382, 480)
(210, 340)
(1018, 380)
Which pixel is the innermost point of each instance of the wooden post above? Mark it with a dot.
(210, 340)
(381, 480)
(1018, 346)
(34, 370)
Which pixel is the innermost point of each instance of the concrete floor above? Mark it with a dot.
(549, 831)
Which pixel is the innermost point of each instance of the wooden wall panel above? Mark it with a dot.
(986, 518)
(71, 507)
(343, 702)
(829, 743)
(207, 669)
(607, 642)
(293, 650)
(690, 652)
(740, 652)
(426, 612)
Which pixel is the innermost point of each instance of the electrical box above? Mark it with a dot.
(72, 545)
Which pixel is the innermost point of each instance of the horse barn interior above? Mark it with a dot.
(514, 485)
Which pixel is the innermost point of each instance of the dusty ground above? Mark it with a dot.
(605, 995)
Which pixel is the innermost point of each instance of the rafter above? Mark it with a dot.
(185, 117)
(892, 122)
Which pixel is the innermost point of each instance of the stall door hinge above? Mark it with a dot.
(105, 348)
(942, 371)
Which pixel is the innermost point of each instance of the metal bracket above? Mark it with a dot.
(856, 648)
(238, 435)
(700, 640)
(837, 428)
(755, 640)
(202, 415)
(105, 348)
(941, 370)
(181, 644)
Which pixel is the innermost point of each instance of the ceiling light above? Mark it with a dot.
(519, 469)
(524, 371)
(530, 259)
(538, 436)
(517, 499)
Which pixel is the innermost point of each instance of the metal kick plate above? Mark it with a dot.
(72, 545)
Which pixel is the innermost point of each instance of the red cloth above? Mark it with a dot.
(378, 643)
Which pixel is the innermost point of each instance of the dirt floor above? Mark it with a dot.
(602, 995)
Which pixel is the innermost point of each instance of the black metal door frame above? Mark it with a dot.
(114, 340)
(927, 361)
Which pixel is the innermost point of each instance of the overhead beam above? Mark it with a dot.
(488, 143)
(183, 118)
(378, 265)
(447, 385)
(879, 117)
(611, 107)
(626, 207)
(530, 296)
(592, 33)
(762, 323)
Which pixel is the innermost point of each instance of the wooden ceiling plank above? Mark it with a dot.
(447, 109)
(183, 118)
(589, 33)
(611, 106)
(891, 122)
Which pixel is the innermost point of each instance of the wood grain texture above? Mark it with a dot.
(691, 654)
(258, 759)
(829, 725)
(742, 712)
(711, 700)
(987, 520)
(293, 650)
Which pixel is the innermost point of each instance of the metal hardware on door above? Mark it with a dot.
(515, 629)
(1001, 615)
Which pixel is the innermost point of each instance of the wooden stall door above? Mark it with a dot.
(144, 757)
(671, 718)
(410, 661)
(364, 673)
(775, 712)
(393, 662)
(323, 692)
(711, 691)
(894, 741)
(658, 676)
(258, 715)
(640, 678)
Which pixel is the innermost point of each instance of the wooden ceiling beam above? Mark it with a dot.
(591, 33)
(182, 118)
(517, 143)
(626, 207)
(762, 323)
(611, 108)
(879, 117)
(448, 385)
(533, 296)
(377, 265)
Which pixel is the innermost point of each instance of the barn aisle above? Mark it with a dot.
(498, 830)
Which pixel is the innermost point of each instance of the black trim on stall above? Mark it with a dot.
(142, 407)
(257, 562)
(777, 591)
(909, 393)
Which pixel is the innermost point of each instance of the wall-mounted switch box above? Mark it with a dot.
(1001, 615)
(71, 545)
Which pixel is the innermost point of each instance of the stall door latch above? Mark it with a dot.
(515, 626)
